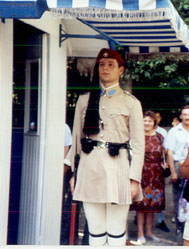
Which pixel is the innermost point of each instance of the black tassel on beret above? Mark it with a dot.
(92, 117)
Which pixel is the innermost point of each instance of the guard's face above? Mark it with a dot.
(148, 124)
(109, 71)
(185, 116)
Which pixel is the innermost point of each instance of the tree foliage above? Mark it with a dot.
(160, 71)
(183, 8)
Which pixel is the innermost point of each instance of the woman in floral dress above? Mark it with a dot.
(152, 180)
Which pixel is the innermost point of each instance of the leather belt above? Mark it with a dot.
(88, 144)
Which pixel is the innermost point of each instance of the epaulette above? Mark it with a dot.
(128, 93)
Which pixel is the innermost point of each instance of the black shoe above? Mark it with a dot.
(162, 226)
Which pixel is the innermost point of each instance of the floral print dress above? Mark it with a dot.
(152, 176)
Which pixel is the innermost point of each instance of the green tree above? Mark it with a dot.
(183, 8)
(161, 71)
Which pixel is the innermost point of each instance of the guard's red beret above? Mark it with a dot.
(109, 53)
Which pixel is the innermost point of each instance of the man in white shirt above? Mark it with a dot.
(177, 143)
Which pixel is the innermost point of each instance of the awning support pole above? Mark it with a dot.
(102, 36)
(106, 37)
(64, 36)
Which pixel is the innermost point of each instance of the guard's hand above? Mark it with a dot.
(72, 184)
(134, 189)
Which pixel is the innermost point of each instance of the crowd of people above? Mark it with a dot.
(124, 158)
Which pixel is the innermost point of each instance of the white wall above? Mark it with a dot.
(54, 80)
(6, 71)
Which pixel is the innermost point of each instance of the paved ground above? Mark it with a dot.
(167, 239)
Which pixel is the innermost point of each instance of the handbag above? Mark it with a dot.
(184, 168)
(166, 169)
(183, 205)
(166, 172)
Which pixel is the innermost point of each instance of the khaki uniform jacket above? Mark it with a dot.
(100, 177)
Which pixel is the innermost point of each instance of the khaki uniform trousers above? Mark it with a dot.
(106, 223)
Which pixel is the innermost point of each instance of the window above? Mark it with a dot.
(32, 96)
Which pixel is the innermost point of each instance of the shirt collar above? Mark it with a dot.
(180, 127)
(111, 90)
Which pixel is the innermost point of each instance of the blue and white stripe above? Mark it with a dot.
(110, 4)
(139, 25)
(147, 36)
(154, 33)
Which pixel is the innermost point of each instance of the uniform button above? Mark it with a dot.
(103, 108)
(101, 135)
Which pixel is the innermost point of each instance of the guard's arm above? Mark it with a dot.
(136, 128)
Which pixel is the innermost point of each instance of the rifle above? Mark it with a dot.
(72, 234)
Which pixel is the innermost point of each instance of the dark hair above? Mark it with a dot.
(176, 118)
(152, 115)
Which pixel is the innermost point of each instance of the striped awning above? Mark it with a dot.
(22, 8)
(138, 25)
(109, 4)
